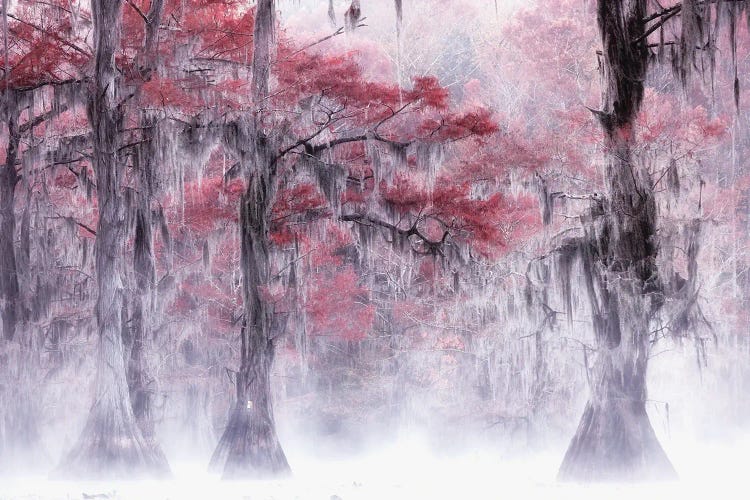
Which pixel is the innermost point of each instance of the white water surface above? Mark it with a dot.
(410, 470)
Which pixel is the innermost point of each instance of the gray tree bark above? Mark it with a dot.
(615, 440)
(111, 444)
(9, 178)
(139, 330)
(139, 381)
(20, 440)
(249, 446)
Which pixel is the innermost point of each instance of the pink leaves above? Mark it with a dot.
(428, 91)
(476, 123)
(664, 123)
(337, 307)
(298, 199)
(43, 46)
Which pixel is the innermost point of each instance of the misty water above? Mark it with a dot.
(409, 469)
(413, 461)
(349, 249)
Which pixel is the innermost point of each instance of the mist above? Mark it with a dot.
(351, 249)
(411, 456)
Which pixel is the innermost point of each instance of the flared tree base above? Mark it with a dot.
(615, 442)
(112, 447)
(249, 449)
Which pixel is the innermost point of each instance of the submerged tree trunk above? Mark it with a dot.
(249, 447)
(144, 272)
(615, 440)
(8, 269)
(111, 444)
(21, 444)
(139, 381)
(20, 440)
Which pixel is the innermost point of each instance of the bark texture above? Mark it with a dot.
(10, 298)
(20, 440)
(615, 440)
(249, 446)
(111, 444)
(139, 380)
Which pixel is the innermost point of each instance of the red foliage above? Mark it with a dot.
(489, 224)
(202, 55)
(296, 200)
(427, 89)
(43, 45)
(337, 307)
(209, 205)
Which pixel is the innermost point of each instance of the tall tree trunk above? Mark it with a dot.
(20, 363)
(196, 425)
(20, 442)
(140, 325)
(249, 447)
(139, 381)
(111, 443)
(615, 440)
(8, 270)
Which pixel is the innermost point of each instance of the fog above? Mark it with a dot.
(708, 448)
(359, 249)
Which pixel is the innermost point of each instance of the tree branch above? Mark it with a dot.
(364, 219)
(41, 118)
(315, 149)
(139, 11)
(46, 32)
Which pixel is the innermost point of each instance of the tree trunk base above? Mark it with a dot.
(21, 417)
(249, 449)
(21, 446)
(113, 447)
(615, 442)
